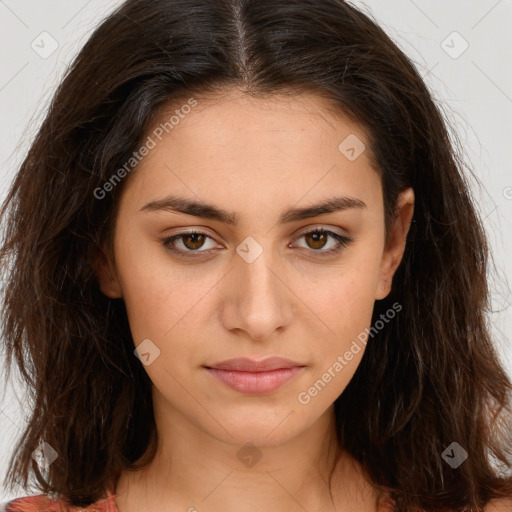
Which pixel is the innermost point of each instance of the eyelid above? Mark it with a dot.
(321, 227)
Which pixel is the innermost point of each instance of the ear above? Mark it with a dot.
(106, 275)
(395, 246)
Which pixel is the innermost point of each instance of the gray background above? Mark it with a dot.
(474, 85)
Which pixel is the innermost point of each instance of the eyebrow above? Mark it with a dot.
(176, 204)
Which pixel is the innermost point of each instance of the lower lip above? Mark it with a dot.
(255, 383)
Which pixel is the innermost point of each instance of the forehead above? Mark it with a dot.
(234, 148)
(273, 120)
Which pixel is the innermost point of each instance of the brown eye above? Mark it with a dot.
(196, 240)
(188, 243)
(316, 239)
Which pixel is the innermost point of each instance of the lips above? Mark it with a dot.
(255, 377)
(248, 365)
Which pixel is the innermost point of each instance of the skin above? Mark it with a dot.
(289, 302)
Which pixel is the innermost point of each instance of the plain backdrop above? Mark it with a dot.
(460, 47)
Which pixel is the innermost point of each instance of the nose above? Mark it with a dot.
(258, 300)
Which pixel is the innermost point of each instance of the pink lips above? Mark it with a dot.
(255, 377)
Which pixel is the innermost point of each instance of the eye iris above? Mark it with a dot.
(195, 244)
(318, 237)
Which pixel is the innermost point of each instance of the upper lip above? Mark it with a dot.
(245, 364)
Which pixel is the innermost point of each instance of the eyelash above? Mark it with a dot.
(342, 241)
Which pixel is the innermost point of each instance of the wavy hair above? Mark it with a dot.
(429, 378)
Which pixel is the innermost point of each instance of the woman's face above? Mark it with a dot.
(260, 280)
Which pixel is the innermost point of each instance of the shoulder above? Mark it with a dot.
(42, 503)
(499, 505)
(37, 503)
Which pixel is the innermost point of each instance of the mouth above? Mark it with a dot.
(255, 377)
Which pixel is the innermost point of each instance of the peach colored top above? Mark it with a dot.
(42, 503)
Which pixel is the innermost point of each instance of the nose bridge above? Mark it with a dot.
(256, 268)
(260, 293)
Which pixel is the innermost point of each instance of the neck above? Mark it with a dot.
(193, 471)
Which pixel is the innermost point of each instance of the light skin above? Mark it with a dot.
(255, 158)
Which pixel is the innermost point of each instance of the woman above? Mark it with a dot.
(257, 278)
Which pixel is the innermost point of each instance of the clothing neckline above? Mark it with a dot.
(110, 500)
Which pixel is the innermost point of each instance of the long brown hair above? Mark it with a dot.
(428, 379)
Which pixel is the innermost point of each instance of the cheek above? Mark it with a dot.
(348, 312)
(351, 292)
(347, 309)
(157, 303)
(163, 301)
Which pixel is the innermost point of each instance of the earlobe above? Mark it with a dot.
(108, 282)
(395, 246)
